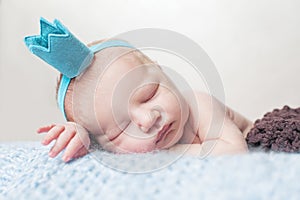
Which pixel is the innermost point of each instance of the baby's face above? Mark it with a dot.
(138, 108)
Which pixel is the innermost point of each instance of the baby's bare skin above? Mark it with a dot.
(154, 102)
(229, 140)
(69, 136)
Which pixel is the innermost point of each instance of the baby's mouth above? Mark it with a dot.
(163, 132)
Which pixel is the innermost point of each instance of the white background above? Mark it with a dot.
(255, 45)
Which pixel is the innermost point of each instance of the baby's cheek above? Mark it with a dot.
(176, 109)
(137, 145)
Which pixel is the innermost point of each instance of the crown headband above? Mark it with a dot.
(62, 50)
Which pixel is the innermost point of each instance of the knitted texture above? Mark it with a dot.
(28, 173)
(57, 46)
(278, 130)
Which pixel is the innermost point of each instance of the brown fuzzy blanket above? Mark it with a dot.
(278, 131)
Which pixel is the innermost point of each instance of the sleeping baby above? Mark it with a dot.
(113, 93)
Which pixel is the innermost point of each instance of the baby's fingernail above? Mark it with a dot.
(51, 154)
(66, 158)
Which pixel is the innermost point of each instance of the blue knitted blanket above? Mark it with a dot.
(28, 173)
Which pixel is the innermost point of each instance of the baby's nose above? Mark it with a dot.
(149, 121)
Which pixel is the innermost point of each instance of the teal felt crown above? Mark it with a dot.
(60, 48)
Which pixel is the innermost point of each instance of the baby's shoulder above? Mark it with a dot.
(200, 103)
(203, 107)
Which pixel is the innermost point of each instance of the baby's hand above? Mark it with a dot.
(70, 135)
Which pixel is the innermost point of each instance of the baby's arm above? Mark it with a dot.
(70, 135)
(230, 141)
(240, 121)
(220, 129)
(218, 139)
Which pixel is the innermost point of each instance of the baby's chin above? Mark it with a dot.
(147, 146)
(170, 140)
(133, 150)
(141, 148)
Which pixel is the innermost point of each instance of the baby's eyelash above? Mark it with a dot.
(152, 94)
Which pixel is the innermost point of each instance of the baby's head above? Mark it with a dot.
(113, 90)
(127, 102)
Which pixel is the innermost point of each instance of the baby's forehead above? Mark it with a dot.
(128, 60)
(119, 60)
(128, 72)
(120, 56)
(115, 66)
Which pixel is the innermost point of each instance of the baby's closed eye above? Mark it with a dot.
(150, 92)
(145, 93)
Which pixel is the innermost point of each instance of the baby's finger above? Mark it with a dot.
(74, 146)
(62, 141)
(45, 128)
(81, 152)
(53, 134)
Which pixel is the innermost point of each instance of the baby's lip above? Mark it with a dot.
(163, 132)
